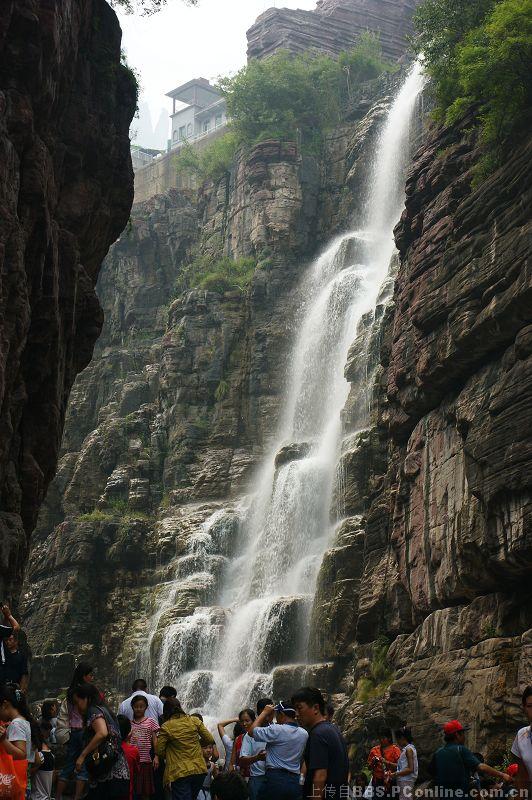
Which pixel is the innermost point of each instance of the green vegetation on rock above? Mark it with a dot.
(380, 673)
(478, 53)
(217, 273)
(212, 162)
(297, 97)
(287, 97)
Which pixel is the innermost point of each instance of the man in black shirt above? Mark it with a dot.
(325, 755)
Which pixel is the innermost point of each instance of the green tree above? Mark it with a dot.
(300, 96)
(211, 162)
(494, 70)
(441, 26)
(478, 53)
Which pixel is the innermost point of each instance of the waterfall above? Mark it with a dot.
(221, 657)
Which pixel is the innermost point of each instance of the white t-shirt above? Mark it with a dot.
(19, 730)
(154, 710)
(250, 747)
(522, 748)
(228, 747)
(403, 764)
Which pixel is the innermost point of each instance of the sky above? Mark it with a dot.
(182, 42)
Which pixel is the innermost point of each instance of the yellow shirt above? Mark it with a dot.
(179, 742)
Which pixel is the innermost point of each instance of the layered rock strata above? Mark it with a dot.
(441, 557)
(334, 26)
(65, 193)
(169, 420)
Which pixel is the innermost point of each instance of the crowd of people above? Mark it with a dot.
(288, 750)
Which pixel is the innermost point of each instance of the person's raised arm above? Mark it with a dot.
(266, 715)
(9, 618)
(223, 725)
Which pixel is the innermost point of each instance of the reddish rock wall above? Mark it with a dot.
(65, 193)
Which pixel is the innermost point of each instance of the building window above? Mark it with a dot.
(189, 129)
(174, 136)
(206, 126)
(218, 120)
(182, 132)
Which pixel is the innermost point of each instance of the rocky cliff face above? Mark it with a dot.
(422, 609)
(65, 194)
(438, 562)
(334, 26)
(168, 421)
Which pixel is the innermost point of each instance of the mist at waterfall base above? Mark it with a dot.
(258, 560)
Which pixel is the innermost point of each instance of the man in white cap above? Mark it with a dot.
(285, 742)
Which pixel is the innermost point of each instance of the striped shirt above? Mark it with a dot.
(142, 735)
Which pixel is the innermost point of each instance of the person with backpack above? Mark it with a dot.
(454, 765)
(102, 754)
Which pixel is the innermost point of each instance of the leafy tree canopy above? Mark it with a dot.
(288, 96)
(479, 53)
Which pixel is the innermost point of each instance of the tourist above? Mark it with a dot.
(330, 712)
(226, 740)
(326, 760)
(43, 774)
(522, 747)
(102, 756)
(131, 752)
(215, 751)
(245, 718)
(144, 736)
(382, 761)
(69, 731)
(453, 765)
(407, 766)
(13, 663)
(49, 712)
(253, 755)
(285, 742)
(212, 771)
(229, 786)
(179, 742)
(155, 707)
(21, 738)
(167, 693)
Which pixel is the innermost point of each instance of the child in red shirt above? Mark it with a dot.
(130, 751)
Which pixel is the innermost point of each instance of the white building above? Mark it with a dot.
(205, 111)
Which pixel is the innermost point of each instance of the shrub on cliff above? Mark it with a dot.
(212, 162)
(215, 273)
(478, 53)
(297, 97)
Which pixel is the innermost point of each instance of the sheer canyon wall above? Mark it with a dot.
(65, 194)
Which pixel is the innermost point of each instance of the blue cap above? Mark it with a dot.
(285, 708)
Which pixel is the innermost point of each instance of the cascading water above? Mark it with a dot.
(222, 656)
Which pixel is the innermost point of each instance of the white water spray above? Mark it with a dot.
(222, 656)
